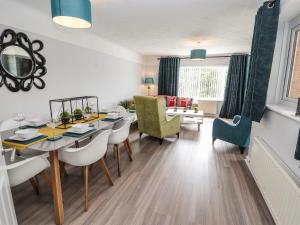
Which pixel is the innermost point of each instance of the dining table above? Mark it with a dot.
(53, 147)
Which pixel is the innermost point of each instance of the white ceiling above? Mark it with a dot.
(173, 27)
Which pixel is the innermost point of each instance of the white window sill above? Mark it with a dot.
(285, 111)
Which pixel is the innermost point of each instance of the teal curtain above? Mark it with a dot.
(297, 153)
(168, 76)
(263, 44)
(235, 86)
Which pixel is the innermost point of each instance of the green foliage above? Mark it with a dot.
(65, 117)
(127, 104)
(78, 114)
(88, 109)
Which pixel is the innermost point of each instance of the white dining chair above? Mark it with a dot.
(118, 136)
(119, 109)
(86, 156)
(21, 169)
(8, 124)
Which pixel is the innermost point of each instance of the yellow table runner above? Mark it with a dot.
(51, 132)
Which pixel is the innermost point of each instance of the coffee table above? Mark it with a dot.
(188, 116)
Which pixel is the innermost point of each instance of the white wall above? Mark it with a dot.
(281, 131)
(151, 68)
(78, 63)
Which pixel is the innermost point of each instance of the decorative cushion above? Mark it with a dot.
(171, 101)
(184, 102)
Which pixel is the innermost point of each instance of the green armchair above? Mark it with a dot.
(152, 119)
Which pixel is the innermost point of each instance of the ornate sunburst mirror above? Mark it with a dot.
(21, 63)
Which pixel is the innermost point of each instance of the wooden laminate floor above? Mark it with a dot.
(182, 182)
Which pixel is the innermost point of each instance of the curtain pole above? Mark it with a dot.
(186, 57)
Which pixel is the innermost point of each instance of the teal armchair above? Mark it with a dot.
(237, 133)
(152, 119)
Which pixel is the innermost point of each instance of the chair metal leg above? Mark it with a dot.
(106, 172)
(86, 186)
(35, 186)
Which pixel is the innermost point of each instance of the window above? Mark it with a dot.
(202, 82)
(293, 71)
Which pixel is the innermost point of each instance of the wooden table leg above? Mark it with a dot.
(56, 188)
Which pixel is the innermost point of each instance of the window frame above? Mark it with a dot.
(294, 27)
(213, 66)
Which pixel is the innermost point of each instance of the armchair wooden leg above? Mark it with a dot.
(127, 148)
(47, 178)
(86, 186)
(106, 172)
(177, 134)
(242, 149)
(117, 152)
(35, 186)
(141, 135)
(161, 141)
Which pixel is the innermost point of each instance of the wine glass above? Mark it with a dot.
(19, 117)
(53, 124)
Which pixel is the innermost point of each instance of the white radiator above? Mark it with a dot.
(279, 190)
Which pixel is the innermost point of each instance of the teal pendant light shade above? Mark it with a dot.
(198, 54)
(72, 13)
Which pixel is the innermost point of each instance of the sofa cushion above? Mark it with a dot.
(171, 101)
(184, 102)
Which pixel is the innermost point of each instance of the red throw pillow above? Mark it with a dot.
(183, 103)
(171, 101)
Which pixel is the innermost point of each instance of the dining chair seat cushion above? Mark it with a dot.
(87, 154)
(120, 132)
(22, 170)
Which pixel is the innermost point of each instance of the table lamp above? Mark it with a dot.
(148, 81)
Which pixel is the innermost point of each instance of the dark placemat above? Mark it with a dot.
(27, 142)
(111, 120)
(70, 134)
(34, 127)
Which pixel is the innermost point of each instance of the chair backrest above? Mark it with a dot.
(88, 154)
(120, 132)
(120, 109)
(151, 113)
(8, 125)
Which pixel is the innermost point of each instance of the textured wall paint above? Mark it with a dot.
(74, 71)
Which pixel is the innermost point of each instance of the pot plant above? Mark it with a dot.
(88, 110)
(77, 114)
(128, 104)
(65, 117)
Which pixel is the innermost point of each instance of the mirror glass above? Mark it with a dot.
(16, 61)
